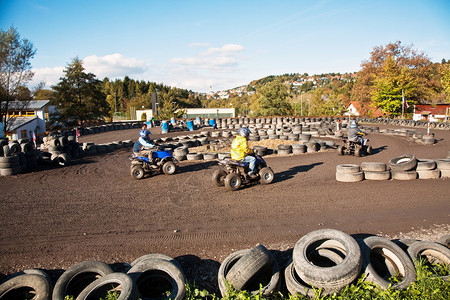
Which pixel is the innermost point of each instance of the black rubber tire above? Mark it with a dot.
(14, 148)
(373, 166)
(349, 177)
(425, 164)
(429, 174)
(348, 168)
(425, 249)
(100, 287)
(248, 265)
(169, 276)
(27, 147)
(266, 175)
(9, 162)
(340, 150)
(381, 175)
(137, 172)
(79, 276)
(151, 256)
(6, 151)
(233, 181)
(369, 150)
(445, 240)
(266, 290)
(393, 255)
(404, 175)
(358, 151)
(18, 287)
(169, 168)
(330, 278)
(404, 162)
(218, 177)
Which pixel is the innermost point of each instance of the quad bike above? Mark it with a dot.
(354, 148)
(160, 160)
(232, 174)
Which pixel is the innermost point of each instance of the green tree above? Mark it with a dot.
(15, 66)
(168, 107)
(373, 72)
(79, 95)
(389, 85)
(273, 100)
(444, 70)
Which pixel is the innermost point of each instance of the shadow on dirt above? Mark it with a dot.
(291, 172)
(196, 167)
(378, 149)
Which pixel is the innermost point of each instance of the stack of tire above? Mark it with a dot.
(181, 153)
(17, 157)
(349, 173)
(62, 149)
(403, 167)
(444, 166)
(284, 149)
(375, 171)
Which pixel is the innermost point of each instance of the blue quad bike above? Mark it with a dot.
(232, 174)
(161, 160)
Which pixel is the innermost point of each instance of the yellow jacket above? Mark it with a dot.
(239, 148)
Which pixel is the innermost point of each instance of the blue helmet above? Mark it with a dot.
(244, 131)
(143, 133)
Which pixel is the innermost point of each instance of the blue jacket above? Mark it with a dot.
(141, 143)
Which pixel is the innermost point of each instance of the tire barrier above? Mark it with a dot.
(402, 167)
(17, 158)
(326, 259)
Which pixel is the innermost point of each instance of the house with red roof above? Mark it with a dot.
(354, 109)
(433, 113)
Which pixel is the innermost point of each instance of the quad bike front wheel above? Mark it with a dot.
(358, 152)
(233, 181)
(169, 168)
(137, 172)
(340, 150)
(218, 177)
(266, 175)
(369, 150)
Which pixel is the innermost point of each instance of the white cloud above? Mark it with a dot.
(48, 75)
(222, 59)
(111, 66)
(114, 66)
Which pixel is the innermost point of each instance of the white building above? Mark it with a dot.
(26, 118)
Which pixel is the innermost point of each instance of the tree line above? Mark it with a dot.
(391, 73)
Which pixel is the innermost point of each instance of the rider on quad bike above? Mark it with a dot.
(355, 134)
(142, 143)
(240, 150)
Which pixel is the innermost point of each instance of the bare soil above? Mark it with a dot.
(93, 210)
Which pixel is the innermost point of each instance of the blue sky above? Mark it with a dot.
(197, 45)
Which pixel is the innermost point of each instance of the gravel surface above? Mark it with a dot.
(94, 210)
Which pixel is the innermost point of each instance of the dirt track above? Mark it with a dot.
(92, 209)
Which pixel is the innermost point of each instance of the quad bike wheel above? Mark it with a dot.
(233, 181)
(358, 151)
(340, 150)
(369, 150)
(218, 177)
(266, 175)
(169, 168)
(137, 172)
